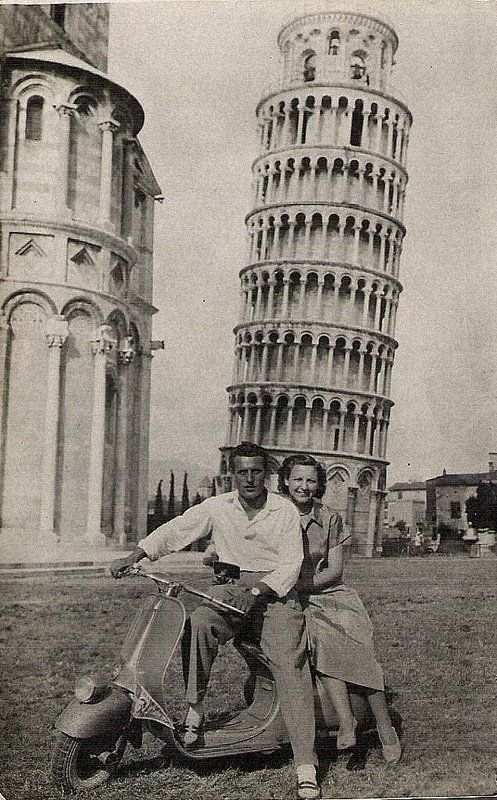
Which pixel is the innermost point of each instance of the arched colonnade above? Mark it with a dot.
(315, 177)
(319, 360)
(381, 126)
(71, 416)
(300, 422)
(365, 302)
(312, 233)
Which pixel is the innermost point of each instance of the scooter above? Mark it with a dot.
(96, 727)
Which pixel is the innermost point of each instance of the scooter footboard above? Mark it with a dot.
(107, 716)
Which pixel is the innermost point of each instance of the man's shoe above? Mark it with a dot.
(392, 750)
(308, 790)
(191, 734)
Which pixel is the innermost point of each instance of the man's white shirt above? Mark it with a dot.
(271, 542)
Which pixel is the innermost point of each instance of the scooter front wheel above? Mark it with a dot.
(77, 763)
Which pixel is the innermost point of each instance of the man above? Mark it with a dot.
(259, 532)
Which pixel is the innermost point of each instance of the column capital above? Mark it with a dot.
(126, 350)
(109, 125)
(105, 341)
(66, 109)
(57, 331)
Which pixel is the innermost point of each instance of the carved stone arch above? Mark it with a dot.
(300, 400)
(365, 480)
(85, 305)
(34, 83)
(118, 321)
(29, 296)
(317, 397)
(310, 334)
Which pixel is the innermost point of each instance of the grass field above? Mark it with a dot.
(435, 623)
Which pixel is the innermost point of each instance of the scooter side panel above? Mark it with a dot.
(107, 716)
(163, 635)
(138, 626)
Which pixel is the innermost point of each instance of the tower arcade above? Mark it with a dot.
(315, 340)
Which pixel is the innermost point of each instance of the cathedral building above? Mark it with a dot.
(315, 340)
(76, 236)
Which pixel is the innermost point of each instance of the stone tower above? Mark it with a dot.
(76, 237)
(315, 340)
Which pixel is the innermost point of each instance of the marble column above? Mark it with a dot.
(125, 356)
(108, 128)
(61, 172)
(57, 332)
(103, 345)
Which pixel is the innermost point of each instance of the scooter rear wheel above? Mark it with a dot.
(76, 766)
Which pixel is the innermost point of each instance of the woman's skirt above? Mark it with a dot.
(340, 636)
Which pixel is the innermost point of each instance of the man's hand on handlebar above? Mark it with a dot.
(245, 601)
(120, 566)
(252, 596)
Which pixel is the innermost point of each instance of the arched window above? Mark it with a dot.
(334, 43)
(357, 66)
(309, 67)
(34, 118)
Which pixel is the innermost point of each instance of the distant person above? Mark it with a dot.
(259, 532)
(339, 630)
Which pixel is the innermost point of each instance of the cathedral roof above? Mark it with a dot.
(61, 58)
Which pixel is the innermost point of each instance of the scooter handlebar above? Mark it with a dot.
(169, 582)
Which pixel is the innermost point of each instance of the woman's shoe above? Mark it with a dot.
(308, 790)
(345, 741)
(392, 750)
(191, 734)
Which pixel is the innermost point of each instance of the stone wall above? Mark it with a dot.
(85, 31)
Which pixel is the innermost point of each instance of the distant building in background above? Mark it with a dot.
(315, 340)
(407, 502)
(446, 497)
(77, 209)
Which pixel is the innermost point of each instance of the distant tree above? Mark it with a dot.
(213, 491)
(481, 510)
(159, 505)
(171, 505)
(185, 499)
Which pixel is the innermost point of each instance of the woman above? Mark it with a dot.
(339, 629)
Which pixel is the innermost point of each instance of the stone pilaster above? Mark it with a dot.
(103, 345)
(108, 128)
(57, 332)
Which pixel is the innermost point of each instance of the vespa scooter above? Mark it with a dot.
(95, 728)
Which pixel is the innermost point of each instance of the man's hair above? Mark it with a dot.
(248, 450)
(301, 460)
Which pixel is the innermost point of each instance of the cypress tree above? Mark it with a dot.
(159, 505)
(171, 508)
(185, 499)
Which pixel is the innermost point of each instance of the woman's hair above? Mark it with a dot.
(302, 460)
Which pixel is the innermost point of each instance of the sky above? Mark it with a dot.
(199, 69)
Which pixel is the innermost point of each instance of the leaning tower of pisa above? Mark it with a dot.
(315, 340)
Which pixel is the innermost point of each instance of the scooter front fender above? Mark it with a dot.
(107, 716)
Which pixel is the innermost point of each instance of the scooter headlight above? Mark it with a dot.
(85, 689)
